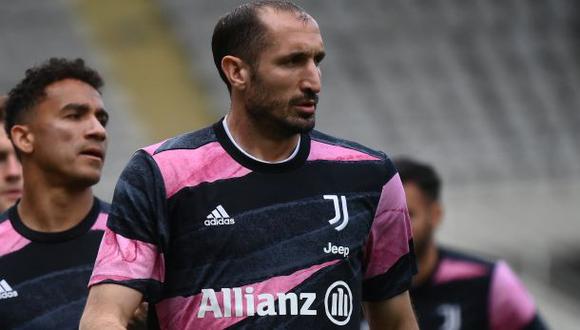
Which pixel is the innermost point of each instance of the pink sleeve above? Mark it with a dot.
(390, 231)
(122, 259)
(511, 306)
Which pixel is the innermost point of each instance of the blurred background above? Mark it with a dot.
(488, 91)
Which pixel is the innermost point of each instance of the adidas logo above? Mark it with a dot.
(218, 217)
(6, 291)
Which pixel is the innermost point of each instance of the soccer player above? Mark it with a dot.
(49, 240)
(10, 169)
(258, 222)
(454, 290)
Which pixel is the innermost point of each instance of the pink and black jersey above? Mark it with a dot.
(215, 239)
(43, 276)
(466, 292)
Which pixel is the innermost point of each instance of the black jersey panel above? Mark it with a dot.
(319, 284)
(191, 140)
(263, 243)
(261, 190)
(398, 278)
(138, 210)
(19, 273)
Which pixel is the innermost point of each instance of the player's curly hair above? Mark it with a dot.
(31, 90)
(3, 99)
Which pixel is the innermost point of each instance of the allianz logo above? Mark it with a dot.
(245, 302)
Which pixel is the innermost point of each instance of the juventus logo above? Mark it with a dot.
(451, 314)
(337, 211)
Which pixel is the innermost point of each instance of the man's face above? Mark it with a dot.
(285, 84)
(10, 172)
(69, 136)
(425, 217)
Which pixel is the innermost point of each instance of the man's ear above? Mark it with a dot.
(237, 71)
(22, 138)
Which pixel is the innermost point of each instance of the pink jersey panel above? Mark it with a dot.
(323, 151)
(152, 148)
(182, 312)
(123, 258)
(455, 270)
(391, 230)
(10, 239)
(101, 223)
(511, 306)
(190, 167)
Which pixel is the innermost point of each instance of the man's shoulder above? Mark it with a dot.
(323, 138)
(190, 140)
(467, 257)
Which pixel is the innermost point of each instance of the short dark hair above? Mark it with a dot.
(31, 90)
(421, 174)
(3, 99)
(241, 33)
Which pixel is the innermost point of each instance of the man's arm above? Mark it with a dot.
(393, 313)
(110, 306)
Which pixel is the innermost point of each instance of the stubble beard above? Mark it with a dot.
(273, 116)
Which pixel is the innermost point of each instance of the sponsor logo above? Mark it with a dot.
(218, 217)
(247, 303)
(451, 314)
(338, 303)
(244, 302)
(6, 291)
(340, 211)
(336, 249)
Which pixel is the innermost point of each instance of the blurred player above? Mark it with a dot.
(454, 290)
(56, 119)
(10, 169)
(258, 222)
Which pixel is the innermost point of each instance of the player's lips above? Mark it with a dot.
(308, 106)
(13, 194)
(94, 152)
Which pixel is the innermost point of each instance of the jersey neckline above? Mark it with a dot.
(296, 162)
(49, 237)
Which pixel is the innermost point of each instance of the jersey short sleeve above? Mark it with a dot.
(131, 252)
(511, 306)
(389, 252)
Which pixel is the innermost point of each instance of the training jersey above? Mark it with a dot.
(216, 239)
(466, 292)
(43, 276)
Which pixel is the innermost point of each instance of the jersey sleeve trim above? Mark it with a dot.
(511, 306)
(121, 258)
(11, 240)
(390, 231)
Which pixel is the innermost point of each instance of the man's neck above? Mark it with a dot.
(427, 265)
(54, 209)
(254, 142)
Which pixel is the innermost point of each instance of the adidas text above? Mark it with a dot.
(6, 295)
(219, 222)
(218, 217)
